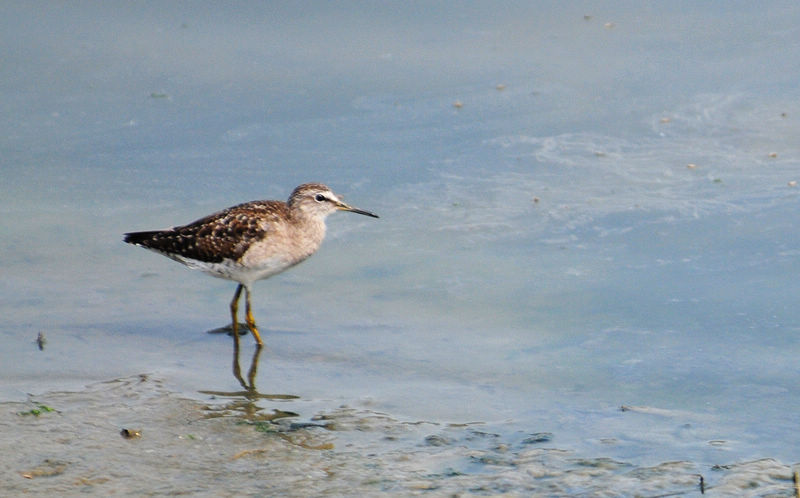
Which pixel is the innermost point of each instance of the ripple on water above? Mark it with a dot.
(70, 443)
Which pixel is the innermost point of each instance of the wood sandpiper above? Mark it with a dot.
(250, 241)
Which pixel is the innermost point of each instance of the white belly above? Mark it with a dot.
(231, 270)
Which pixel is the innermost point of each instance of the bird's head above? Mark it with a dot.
(316, 199)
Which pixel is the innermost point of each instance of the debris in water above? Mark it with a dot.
(130, 433)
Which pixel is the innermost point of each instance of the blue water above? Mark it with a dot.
(583, 206)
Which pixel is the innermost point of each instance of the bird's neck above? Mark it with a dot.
(308, 234)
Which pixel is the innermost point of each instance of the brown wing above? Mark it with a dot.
(223, 235)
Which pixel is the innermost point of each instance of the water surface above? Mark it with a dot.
(583, 207)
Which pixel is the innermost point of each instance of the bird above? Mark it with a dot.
(250, 241)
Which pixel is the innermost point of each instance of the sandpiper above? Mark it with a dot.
(250, 241)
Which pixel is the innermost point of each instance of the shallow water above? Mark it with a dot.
(582, 208)
(71, 443)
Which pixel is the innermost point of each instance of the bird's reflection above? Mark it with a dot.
(244, 401)
(250, 385)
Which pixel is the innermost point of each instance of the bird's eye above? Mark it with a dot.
(319, 198)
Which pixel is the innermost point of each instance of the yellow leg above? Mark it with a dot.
(251, 322)
(235, 312)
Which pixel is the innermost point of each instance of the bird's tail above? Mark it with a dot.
(140, 238)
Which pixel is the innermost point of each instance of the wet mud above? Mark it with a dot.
(132, 436)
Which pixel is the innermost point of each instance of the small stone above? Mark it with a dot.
(130, 433)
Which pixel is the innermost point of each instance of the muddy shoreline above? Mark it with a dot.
(132, 436)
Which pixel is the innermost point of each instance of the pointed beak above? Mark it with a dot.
(341, 206)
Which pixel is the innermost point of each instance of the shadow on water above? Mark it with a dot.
(245, 402)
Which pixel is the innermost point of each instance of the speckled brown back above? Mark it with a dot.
(223, 235)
